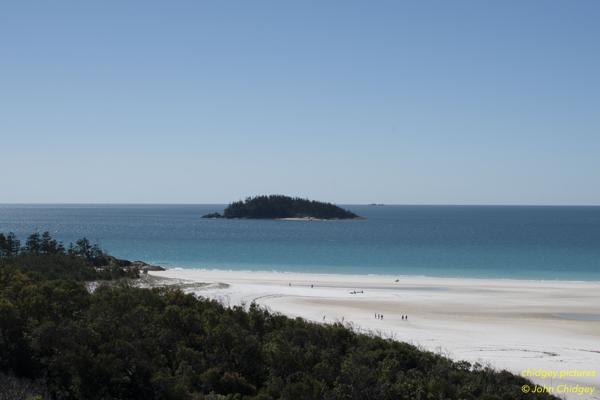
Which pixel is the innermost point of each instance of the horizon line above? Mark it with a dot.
(375, 204)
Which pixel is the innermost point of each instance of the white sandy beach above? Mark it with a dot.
(515, 325)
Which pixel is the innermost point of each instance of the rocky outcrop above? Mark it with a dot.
(110, 262)
(213, 215)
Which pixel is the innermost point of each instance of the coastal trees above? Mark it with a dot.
(33, 244)
(3, 251)
(49, 245)
(9, 245)
(44, 255)
(83, 248)
(42, 244)
(45, 244)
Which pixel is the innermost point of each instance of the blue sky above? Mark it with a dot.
(433, 102)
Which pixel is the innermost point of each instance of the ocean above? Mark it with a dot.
(515, 242)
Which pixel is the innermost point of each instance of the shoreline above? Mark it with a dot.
(214, 216)
(380, 276)
(507, 323)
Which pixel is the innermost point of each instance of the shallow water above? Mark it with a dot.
(465, 241)
(580, 316)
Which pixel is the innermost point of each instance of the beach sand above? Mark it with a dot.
(517, 325)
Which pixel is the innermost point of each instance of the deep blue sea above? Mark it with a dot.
(456, 241)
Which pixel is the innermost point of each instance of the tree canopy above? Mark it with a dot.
(47, 257)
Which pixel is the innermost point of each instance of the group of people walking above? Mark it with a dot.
(380, 316)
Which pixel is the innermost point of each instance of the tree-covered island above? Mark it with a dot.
(282, 207)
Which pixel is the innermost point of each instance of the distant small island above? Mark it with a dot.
(283, 207)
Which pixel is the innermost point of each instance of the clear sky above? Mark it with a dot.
(435, 102)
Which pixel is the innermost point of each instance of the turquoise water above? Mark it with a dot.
(466, 241)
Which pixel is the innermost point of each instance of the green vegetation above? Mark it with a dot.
(278, 206)
(44, 256)
(60, 341)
